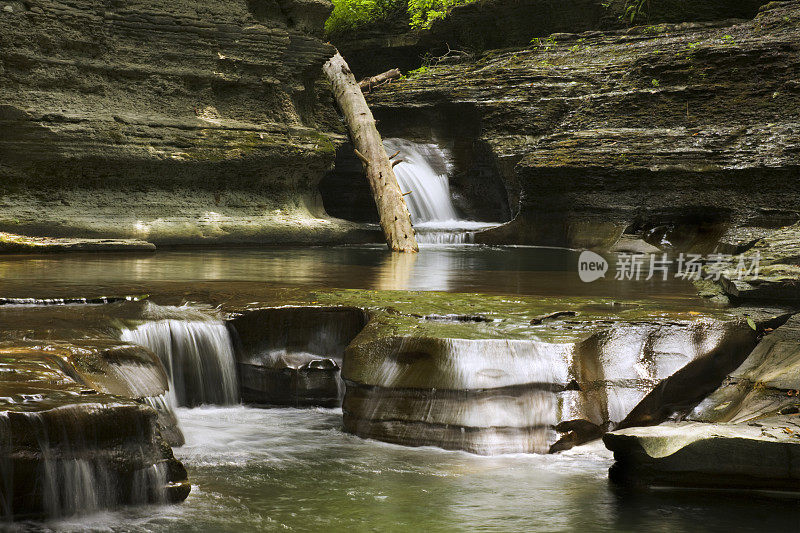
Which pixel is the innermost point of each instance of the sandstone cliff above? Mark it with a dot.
(176, 122)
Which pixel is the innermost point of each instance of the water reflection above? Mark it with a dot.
(504, 270)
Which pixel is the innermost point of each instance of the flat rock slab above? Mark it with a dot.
(13, 243)
(759, 455)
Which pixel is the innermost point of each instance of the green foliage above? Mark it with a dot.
(350, 15)
(632, 10)
(424, 12)
(418, 72)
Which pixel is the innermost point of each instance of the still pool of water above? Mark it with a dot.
(495, 270)
(294, 470)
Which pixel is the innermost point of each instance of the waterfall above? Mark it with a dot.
(198, 356)
(63, 462)
(424, 172)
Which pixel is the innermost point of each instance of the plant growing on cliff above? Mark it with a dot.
(632, 10)
(351, 15)
(424, 12)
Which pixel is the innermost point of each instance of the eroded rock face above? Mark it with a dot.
(492, 396)
(65, 448)
(492, 24)
(293, 355)
(765, 384)
(745, 434)
(189, 122)
(777, 278)
(656, 127)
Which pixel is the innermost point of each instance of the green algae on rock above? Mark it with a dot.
(11, 243)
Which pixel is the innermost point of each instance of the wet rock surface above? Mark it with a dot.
(760, 455)
(556, 387)
(765, 384)
(110, 367)
(293, 355)
(193, 123)
(744, 434)
(65, 448)
(689, 125)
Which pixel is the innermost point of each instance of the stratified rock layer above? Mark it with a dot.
(492, 396)
(770, 271)
(765, 384)
(12, 243)
(745, 434)
(688, 133)
(187, 122)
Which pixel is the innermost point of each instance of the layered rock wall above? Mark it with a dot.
(181, 122)
(685, 132)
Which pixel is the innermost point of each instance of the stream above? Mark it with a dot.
(286, 469)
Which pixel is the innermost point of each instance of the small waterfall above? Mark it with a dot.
(198, 356)
(60, 463)
(424, 172)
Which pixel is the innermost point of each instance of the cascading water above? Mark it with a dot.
(424, 172)
(198, 356)
(64, 461)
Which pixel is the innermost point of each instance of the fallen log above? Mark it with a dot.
(394, 217)
(380, 79)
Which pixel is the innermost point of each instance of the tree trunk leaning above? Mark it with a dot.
(392, 209)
